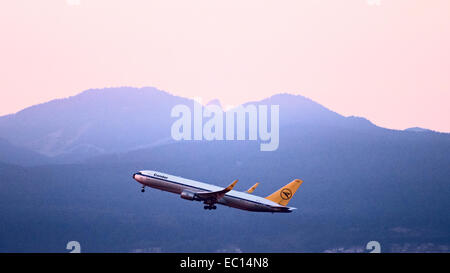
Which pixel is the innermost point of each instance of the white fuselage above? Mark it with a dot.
(232, 198)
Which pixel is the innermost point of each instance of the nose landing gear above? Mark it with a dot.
(143, 189)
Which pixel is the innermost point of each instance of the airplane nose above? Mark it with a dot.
(134, 175)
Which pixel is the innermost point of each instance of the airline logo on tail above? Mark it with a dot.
(285, 194)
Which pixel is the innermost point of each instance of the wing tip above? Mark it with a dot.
(231, 186)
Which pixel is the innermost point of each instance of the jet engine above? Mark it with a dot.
(188, 195)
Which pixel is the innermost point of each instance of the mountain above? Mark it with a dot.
(114, 120)
(215, 102)
(361, 182)
(93, 122)
(417, 129)
(20, 156)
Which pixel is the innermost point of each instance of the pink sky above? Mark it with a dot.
(389, 63)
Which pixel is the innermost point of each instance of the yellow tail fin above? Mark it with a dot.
(284, 195)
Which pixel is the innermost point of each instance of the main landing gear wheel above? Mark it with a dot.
(210, 207)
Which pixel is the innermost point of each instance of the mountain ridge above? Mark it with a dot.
(99, 121)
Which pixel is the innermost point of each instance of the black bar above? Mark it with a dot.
(222, 262)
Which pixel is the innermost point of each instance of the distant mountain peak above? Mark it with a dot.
(360, 121)
(215, 102)
(417, 129)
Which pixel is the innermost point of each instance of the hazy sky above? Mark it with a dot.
(389, 63)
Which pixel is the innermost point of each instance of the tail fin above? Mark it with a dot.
(285, 194)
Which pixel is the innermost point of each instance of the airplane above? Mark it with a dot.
(211, 194)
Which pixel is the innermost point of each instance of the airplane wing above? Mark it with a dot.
(215, 195)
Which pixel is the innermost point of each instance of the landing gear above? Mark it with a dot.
(209, 204)
(143, 189)
(210, 207)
